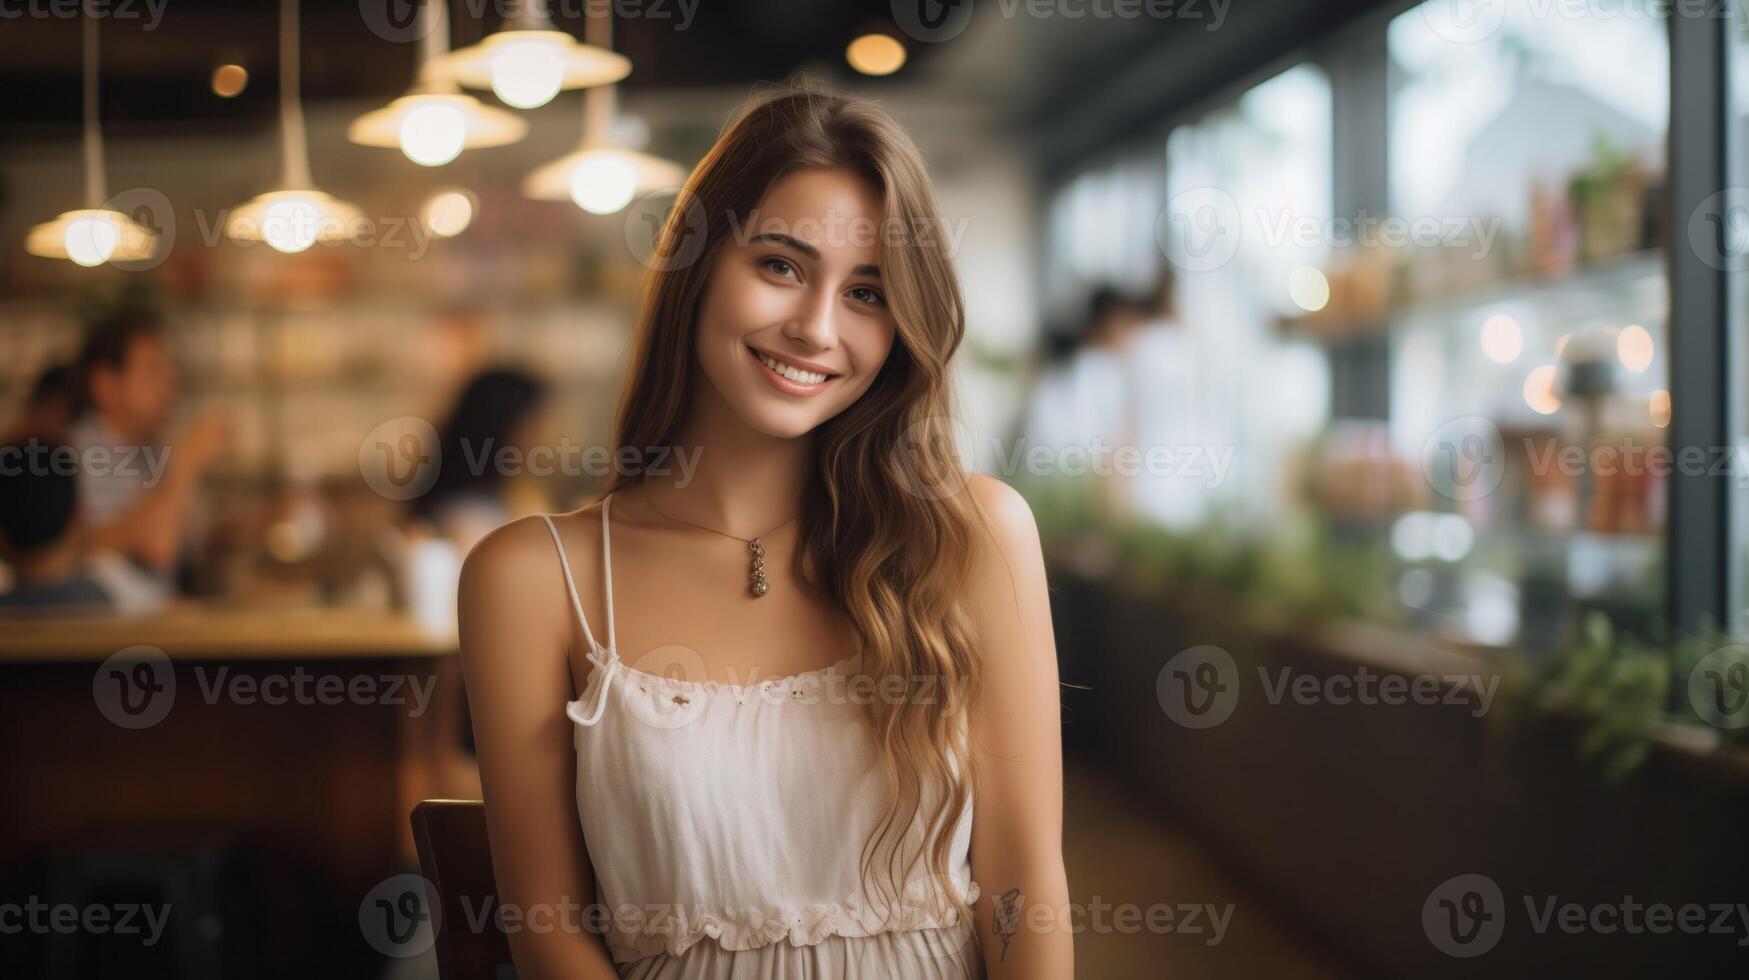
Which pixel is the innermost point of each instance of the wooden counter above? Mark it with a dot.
(298, 738)
(219, 632)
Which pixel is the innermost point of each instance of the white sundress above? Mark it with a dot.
(725, 824)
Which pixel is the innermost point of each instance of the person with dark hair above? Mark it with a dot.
(135, 489)
(494, 411)
(49, 408)
(38, 529)
(1079, 401)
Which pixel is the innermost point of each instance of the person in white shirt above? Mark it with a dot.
(135, 487)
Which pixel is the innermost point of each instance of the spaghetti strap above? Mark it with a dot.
(607, 573)
(570, 583)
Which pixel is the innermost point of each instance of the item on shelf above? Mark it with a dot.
(1607, 199)
(1554, 246)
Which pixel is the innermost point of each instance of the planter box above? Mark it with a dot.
(1354, 814)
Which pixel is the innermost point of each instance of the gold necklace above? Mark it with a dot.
(757, 583)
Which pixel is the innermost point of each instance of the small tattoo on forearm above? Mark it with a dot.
(1007, 918)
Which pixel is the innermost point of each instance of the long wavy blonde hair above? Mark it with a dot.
(886, 527)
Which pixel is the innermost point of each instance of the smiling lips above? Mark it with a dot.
(791, 378)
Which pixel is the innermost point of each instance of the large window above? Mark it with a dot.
(1528, 341)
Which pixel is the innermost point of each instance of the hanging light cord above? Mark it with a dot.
(291, 112)
(599, 100)
(529, 15)
(94, 189)
(434, 37)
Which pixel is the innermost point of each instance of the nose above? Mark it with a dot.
(814, 324)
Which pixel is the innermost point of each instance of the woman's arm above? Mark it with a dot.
(515, 623)
(1017, 823)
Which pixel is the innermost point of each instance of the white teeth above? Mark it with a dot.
(793, 373)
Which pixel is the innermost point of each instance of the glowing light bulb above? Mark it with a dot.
(433, 134)
(1308, 288)
(1660, 408)
(527, 74)
(602, 183)
(1502, 341)
(875, 54)
(1539, 390)
(449, 213)
(1634, 348)
(290, 224)
(91, 240)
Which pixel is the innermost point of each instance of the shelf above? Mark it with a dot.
(1611, 273)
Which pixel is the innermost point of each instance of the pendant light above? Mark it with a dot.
(529, 61)
(598, 176)
(95, 234)
(296, 215)
(434, 122)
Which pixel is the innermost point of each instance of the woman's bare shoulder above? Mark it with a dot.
(512, 579)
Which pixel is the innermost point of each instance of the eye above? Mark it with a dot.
(778, 264)
(867, 294)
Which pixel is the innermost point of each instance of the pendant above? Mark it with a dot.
(759, 586)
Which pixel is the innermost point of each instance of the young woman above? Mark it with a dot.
(738, 710)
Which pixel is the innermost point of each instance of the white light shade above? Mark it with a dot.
(295, 216)
(91, 237)
(433, 128)
(598, 178)
(526, 68)
(293, 220)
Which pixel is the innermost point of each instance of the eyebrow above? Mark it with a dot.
(778, 238)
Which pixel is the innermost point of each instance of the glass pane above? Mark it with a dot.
(1528, 336)
(1737, 243)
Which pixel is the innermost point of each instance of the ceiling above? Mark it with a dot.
(157, 55)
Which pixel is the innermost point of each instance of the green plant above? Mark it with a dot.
(1623, 689)
(1295, 564)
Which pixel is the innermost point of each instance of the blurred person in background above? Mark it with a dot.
(136, 488)
(48, 409)
(1168, 411)
(1084, 401)
(498, 409)
(42, 539)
